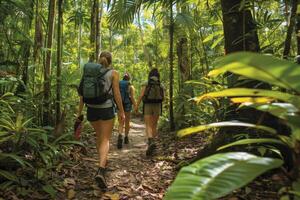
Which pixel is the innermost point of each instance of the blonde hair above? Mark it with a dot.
(105, 58)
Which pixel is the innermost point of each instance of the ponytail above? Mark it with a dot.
(105, 58)
(103, 61)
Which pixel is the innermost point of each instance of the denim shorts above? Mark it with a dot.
(95, 114)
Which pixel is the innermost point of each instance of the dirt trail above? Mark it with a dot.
(130, 175)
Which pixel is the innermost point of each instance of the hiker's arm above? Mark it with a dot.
(80, 106)
(117, 94)
(132, 92)
(140, 97)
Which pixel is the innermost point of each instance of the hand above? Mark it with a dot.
(122, 116)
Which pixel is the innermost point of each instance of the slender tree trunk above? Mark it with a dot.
(183, 54)
(171, 58)
(292, 21)
(99, 39)
(59, 60)
(79, 36)
(93, 30)
(97, 33)
(110, 39)
(298, 33)
(26, 50)
(183, 60)
(47, 72)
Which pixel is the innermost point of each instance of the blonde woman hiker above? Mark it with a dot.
(98, 89)
(127, 92)
(152, 95)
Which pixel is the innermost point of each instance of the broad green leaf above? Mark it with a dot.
(281, 110)
(218, 175)
(252, 100)
(252, 141)
(261, 67)
(246, 92)
(200, 128)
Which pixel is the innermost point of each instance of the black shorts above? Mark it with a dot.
(95, 114)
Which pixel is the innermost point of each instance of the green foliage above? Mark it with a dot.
(255, 66)
(217, 175)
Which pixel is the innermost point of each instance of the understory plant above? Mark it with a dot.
(216, 176)
(28, 153)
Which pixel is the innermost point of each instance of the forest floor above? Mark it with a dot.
(130, 174)
(133, 176)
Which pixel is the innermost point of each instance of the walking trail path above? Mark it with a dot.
(130, 175)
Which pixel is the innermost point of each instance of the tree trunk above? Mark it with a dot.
(99, 37)
(97, 33)
(171, 57)
(47, 72)
(183, 60)
(110, 39)
(59, 60)
(239, 29)
(292, 21)
(79, 37)
(93, 30)
(298, 34)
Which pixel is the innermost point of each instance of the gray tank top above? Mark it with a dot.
(108, 86)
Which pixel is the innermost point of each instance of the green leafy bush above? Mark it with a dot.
(283, 103)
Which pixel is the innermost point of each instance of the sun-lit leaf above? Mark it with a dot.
(261, 67)
(247, 92)
(200, 128)
(217, 175)
(252, 141)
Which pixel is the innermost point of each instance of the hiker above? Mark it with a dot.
(152, 95)
(98, 87)
(127, 93)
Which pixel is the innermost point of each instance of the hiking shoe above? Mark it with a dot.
(150, 150)
(120, 142)
(100, 178)
(126, 140)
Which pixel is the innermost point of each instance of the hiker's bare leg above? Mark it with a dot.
(148, 119)
(154, 122)
(103, 133)
(127, 123)
(121, 125)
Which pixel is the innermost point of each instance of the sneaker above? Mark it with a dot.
(126, 140)
(120, 142)
(100, 178)
(150, 150)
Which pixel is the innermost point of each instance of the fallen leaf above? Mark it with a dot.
(69, 183)
(71, 194)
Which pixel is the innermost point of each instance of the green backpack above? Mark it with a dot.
(154, 92)
(93, 84)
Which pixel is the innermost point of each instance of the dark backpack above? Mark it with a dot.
(124, 90)
(154, 92)
(93, 84)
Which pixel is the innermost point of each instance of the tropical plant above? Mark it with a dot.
(284, 103)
